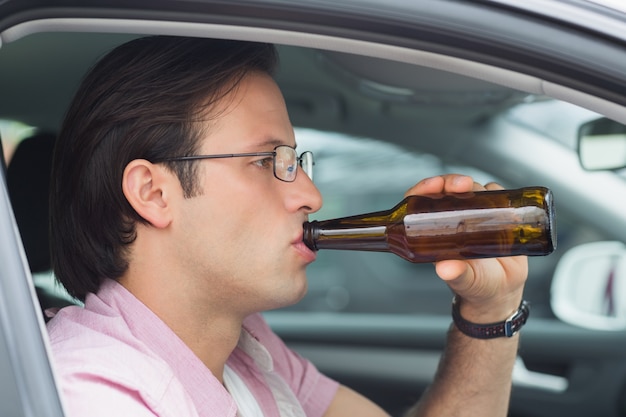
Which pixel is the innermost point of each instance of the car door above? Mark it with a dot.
(27, 383)
(564, 369)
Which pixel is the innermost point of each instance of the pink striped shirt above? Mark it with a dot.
(114, 357)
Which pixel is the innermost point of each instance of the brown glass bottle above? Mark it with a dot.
(482, 224)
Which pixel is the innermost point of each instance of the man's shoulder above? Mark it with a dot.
(100, 364)
(81, 342)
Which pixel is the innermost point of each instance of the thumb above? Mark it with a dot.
(457, 274)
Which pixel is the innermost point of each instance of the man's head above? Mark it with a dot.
(150, 99)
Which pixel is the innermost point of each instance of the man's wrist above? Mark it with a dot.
(506, 328)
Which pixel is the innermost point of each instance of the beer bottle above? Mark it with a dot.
(482, 224)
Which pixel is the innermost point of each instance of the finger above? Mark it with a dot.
(432, 185)
(451, 183)
(493, 186)
(451, 270)
(455, 183)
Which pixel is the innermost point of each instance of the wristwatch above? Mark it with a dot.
(506, 328)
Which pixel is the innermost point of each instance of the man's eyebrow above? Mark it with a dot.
(271, 142)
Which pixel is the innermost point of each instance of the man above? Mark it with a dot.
(176, 256)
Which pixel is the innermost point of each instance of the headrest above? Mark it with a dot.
(28, 181)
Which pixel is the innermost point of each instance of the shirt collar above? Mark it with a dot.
(207, 393)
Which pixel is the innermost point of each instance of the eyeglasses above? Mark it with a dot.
(285, 161)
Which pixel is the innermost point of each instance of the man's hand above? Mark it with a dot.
(491, 289)
(474, 375)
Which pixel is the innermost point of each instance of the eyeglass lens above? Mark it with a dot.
(286, 163)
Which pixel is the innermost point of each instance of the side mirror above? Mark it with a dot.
(602, 145)
(589, 286)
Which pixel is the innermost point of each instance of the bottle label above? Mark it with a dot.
(485, 220)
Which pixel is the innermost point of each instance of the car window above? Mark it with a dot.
(27, 179)
(12, 132)
(360, 175)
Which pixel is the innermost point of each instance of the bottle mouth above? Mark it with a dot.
(310, 235)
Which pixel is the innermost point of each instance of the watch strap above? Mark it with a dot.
(506, 328)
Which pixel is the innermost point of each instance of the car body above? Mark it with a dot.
(384, 93)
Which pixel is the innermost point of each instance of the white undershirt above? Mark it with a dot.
(247, 405)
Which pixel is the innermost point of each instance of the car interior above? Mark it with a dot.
(449, 113)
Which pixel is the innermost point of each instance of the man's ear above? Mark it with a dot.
(145, 186)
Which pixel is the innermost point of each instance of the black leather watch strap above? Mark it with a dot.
(506, 328)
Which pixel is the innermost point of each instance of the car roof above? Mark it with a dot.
(542, 56)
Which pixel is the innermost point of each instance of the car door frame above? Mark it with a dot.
(28, 382)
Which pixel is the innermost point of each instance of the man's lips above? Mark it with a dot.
(304, 250)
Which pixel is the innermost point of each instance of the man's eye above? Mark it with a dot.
(265, 162)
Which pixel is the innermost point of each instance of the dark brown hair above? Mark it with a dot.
(142, 100)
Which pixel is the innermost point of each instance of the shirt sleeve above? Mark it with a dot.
(314, 390)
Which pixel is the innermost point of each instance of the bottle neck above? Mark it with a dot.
(330, 235)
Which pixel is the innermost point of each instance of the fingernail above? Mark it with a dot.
(460, 179)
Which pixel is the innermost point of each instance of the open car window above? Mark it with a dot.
(360, 175)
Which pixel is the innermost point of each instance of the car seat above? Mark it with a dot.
(28, 183)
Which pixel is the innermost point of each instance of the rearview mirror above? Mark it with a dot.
(602, 145)
(589, 286)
